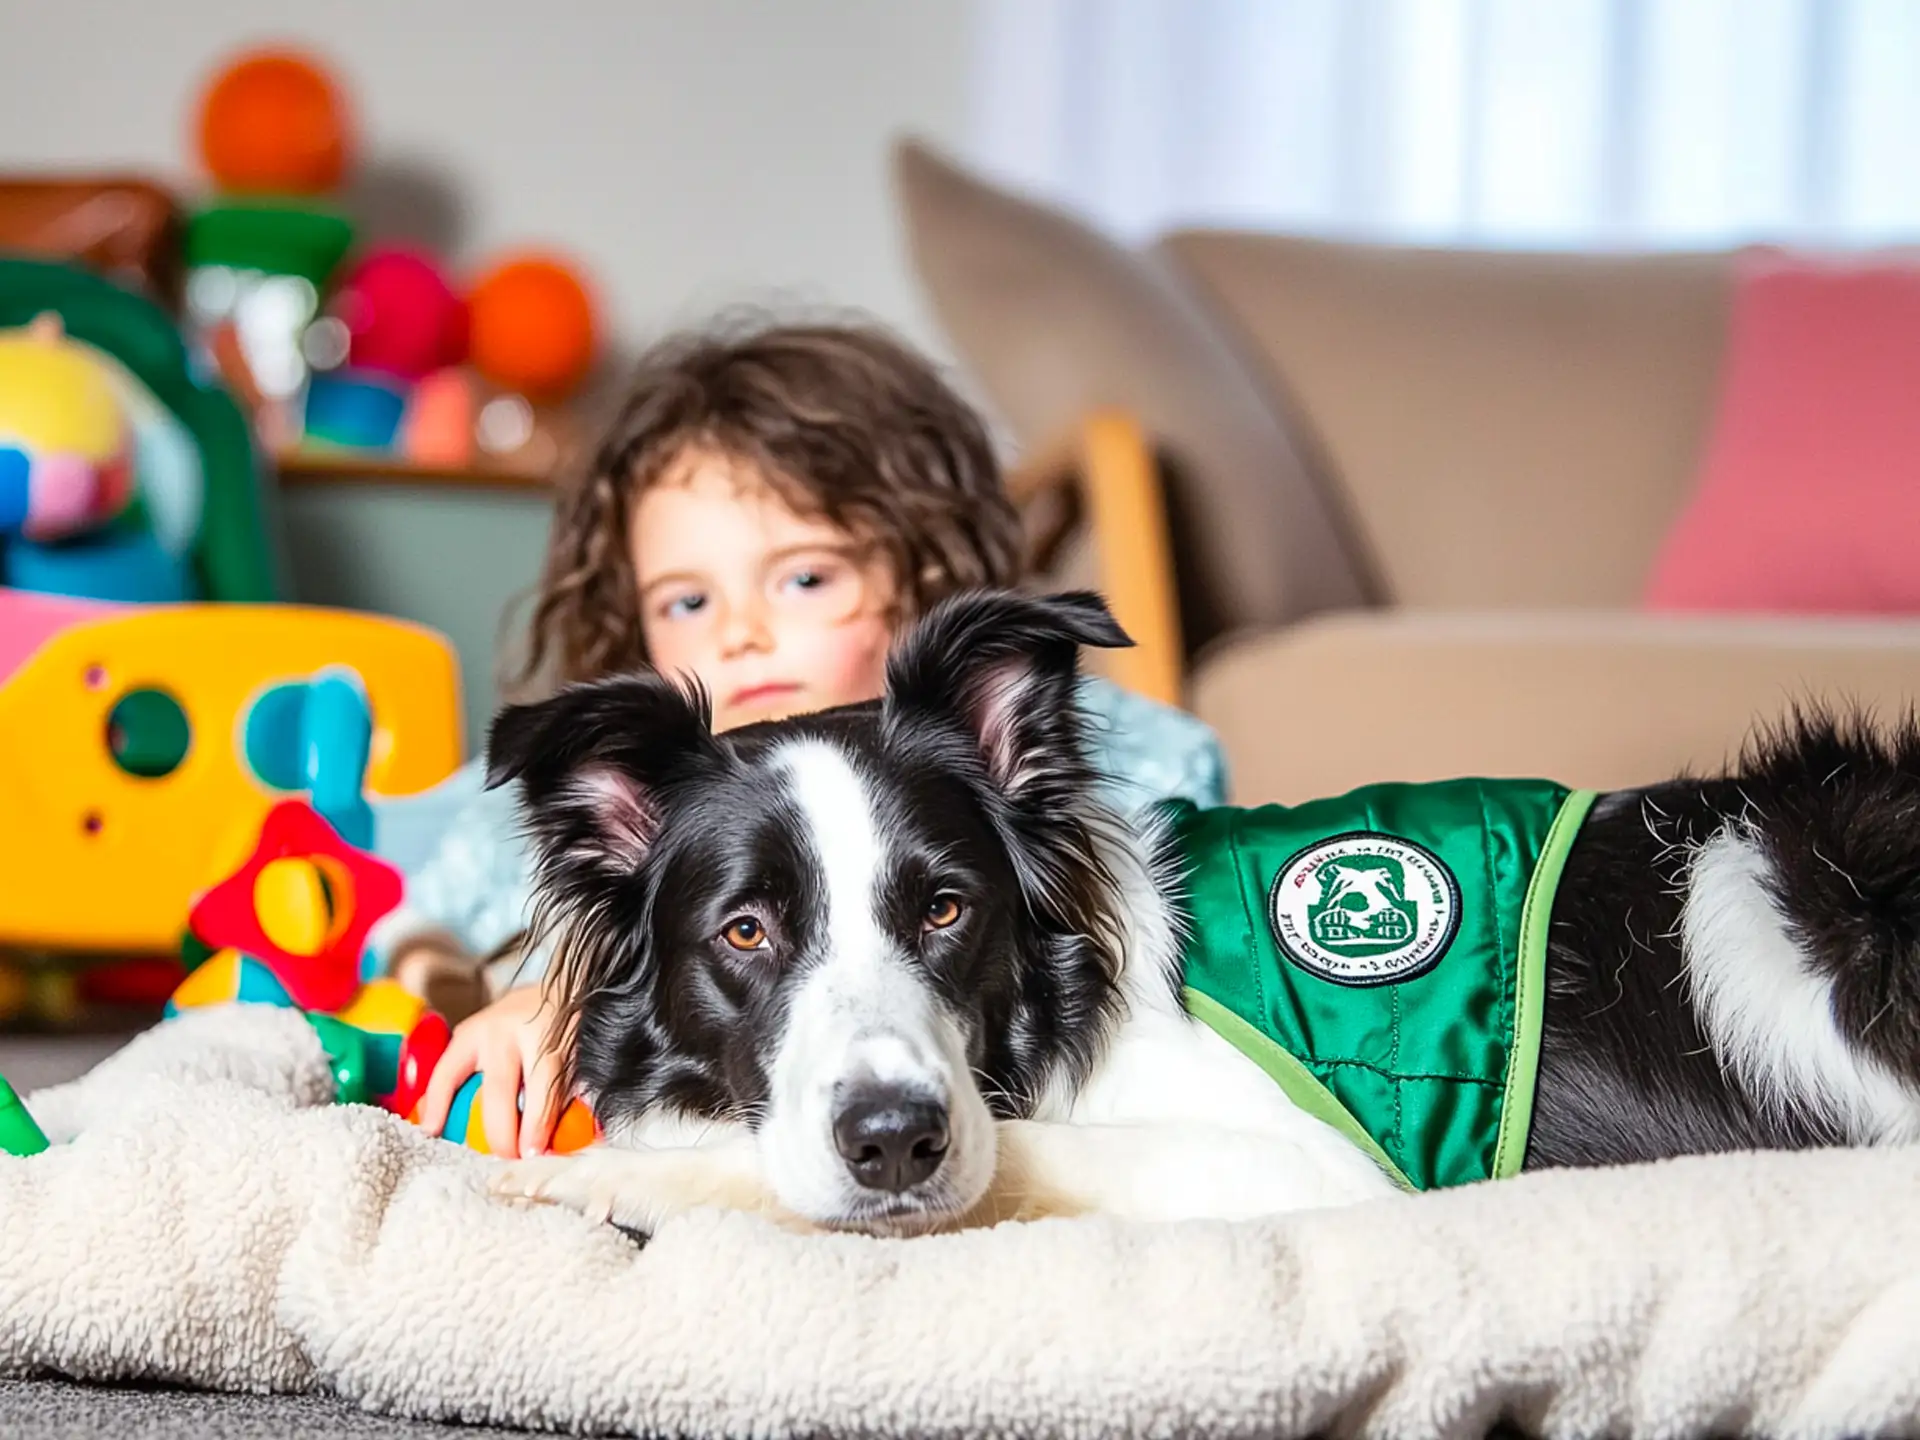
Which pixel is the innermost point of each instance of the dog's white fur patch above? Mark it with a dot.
(861, 1015)
(1211, 1134)
(1767, 1012)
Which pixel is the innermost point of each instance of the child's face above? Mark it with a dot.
(776, 614)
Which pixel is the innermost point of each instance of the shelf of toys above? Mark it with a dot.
(362, 357)
(140, 641)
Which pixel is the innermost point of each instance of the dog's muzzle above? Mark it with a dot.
(891, 1140)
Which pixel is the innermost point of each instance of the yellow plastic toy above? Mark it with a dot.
(126, 786)
(65, 461)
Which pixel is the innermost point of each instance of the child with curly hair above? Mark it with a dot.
(768, 509)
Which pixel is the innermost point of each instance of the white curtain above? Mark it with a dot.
(1496, 122)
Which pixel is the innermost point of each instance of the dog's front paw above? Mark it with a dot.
(605, 1185)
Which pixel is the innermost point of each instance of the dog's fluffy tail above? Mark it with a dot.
(1834, 802)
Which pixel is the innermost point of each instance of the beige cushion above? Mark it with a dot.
(1054, 320)
(1588, 698)
(1507, 429)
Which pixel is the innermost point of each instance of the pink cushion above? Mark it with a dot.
(1809, 492)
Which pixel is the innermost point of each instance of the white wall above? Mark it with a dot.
(694, 153)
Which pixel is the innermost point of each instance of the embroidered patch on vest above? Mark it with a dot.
(1364, 909)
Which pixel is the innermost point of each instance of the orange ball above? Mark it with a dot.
(274, 120)
(531, 326)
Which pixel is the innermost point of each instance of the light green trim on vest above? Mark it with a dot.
(1529, 1001)
(1293, 1078)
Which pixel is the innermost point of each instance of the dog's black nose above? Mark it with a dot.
(891, 1141)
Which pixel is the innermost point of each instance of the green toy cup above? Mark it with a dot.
(19, 1135)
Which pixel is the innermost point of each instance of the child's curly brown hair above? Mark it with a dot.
(847, 423)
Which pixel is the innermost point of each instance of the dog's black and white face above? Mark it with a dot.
(864, 934)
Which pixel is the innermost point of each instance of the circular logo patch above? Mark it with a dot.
(1364, 909)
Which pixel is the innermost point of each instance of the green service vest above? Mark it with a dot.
(1382, 955)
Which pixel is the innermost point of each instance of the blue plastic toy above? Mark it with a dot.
(317, 735)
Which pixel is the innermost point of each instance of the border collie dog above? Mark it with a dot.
(895, 968)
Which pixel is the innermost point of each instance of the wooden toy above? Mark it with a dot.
(99, 849)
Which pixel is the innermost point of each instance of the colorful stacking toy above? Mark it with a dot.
(289, 926)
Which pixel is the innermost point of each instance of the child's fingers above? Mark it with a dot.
(447, 1078)
(499, 1092)
(542, 1104)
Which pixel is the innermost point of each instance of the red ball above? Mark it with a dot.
(275, 120)
(402, 316)
(533, 326)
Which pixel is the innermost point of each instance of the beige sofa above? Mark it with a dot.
(1410, 497)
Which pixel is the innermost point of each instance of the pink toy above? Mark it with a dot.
(437, 428)
(402, 316)
(29, 620)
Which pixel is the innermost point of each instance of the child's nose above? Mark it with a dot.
(744, 629)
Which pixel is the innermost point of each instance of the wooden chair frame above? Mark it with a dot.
(1102, 475)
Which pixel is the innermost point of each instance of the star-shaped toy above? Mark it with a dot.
(302, 905)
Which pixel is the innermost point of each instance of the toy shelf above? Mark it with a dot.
(321, 467)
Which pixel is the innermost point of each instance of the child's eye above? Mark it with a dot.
(684, 605)
(810, 578)
(820, 582)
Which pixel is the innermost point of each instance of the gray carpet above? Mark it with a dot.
(31, 1061)
(129, 1412)
(133, 1412)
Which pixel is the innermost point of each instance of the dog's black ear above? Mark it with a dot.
(593, 760)
(1005, 667)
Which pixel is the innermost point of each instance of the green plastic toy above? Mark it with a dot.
(19, 1135)
(365, 1063)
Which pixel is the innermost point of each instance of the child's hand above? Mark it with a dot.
(506, 1043)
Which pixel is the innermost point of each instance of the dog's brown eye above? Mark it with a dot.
(746, 933)
(943, 912)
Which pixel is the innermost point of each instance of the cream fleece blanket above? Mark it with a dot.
(212, 1223)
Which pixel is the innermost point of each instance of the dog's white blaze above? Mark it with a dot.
(846, 841)
(1767, 1012)
(860, 1015)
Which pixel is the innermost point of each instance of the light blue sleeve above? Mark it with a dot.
(1149, 752)
(474, 883)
